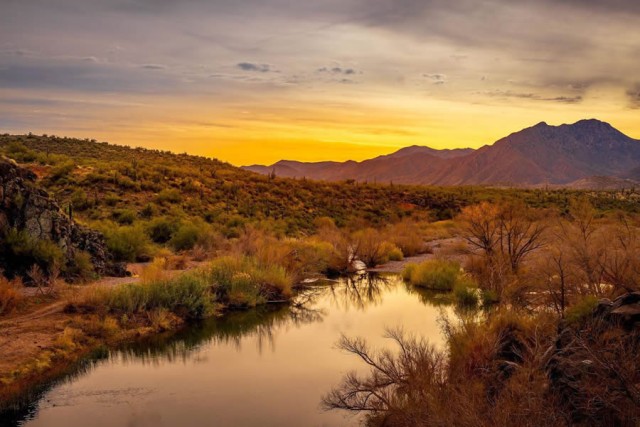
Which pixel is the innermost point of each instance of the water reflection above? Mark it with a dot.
(261, 359)
(361, 290)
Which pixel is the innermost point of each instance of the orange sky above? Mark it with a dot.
(267, 80)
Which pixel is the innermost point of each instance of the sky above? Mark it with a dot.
(256, 81)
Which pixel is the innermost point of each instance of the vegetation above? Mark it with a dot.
(538, 260)
(438, 275)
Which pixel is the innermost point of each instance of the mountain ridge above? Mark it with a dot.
(537, 155)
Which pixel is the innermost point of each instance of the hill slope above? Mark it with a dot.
(538, 155)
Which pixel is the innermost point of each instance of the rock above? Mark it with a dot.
(28, 209)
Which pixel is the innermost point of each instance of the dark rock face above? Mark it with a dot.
(593, 367)
(30, 210)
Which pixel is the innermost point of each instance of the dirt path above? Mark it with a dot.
(454, 248)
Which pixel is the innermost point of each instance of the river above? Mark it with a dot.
(264, 367)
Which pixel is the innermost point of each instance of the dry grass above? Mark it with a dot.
(11, 297)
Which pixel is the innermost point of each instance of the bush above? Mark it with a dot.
(188, 295)
(465, 290)
(169, 196)
(125, 216)
(433, 274)
(581, 310)
(243, 281)
(10, 295)
(391, 252)
(128, 243)
(185, 237)
(80, 267)
(21, 252)
(161, 230)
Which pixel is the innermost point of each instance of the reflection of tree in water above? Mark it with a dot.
(261, 323)
(361, 290)
(430, 297)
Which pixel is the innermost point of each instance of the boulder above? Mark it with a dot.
(31, 211)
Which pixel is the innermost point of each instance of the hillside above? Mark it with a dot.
(111, 184)
(105, 182)
(539, 155)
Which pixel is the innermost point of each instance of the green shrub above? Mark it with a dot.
(161, 230)
(433, 274)
(465, 291)
(62, 171)
(393, 253)
(127, 243)
(188, 295)
(581, 310)
(168, 196)
(80, 267)
(21, 252)
(241, 281)
(125, 216)
(79, 200)
(185, 237)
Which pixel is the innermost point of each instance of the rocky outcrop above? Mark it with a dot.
(30, 213)
(593, 368)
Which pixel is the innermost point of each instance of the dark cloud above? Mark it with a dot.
(153, 67)
(533, 96)
(249, 66)
(338, 70)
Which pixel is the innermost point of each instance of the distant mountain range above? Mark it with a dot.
(586, 154)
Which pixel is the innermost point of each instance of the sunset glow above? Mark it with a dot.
(258, 81)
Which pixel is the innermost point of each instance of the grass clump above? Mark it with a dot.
(465, 291)
(10, 296)
(188, 295)
(581, 310)
(437, 275)
(243, 281)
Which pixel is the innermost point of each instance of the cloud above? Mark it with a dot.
(533, 96)
(436, 78)
(249, 66)
(633, 94)
(338, 70)
(153, 67)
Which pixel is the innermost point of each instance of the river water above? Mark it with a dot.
(265, 367)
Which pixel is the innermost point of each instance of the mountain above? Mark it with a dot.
(539, 155)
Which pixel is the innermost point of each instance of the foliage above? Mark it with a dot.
(128, 243)
(438, 275)
(10, 295)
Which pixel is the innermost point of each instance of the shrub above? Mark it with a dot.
(128, 243)
(161, 230)
(392, 252)
(169, 196)
(185, 237)
(407, 236)
(21, 252)
(433, 274)
(243, 280)
(465, 290)
(80, 266)
(581, 310)
(188, 295)
(125, 216)
(79, 200)
(10, 295)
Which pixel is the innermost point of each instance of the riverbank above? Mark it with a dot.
(54, 332)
